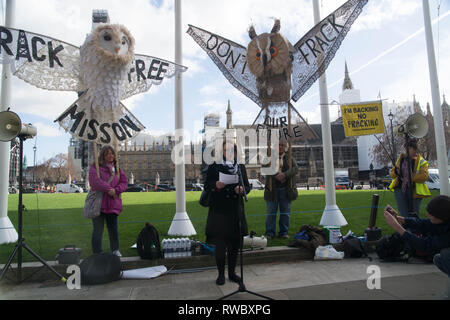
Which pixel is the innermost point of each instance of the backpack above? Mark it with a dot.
(393, 248)
(147, 243)
(354, 248)
(425, 256)
(100, 268)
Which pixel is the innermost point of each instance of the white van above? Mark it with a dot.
(341, 178)
(433, 179)
(256, 184)
(68, 188)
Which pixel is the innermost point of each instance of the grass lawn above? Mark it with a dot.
(52, 221)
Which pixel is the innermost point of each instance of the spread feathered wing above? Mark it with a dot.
(314, 52)
(230, 58)
(42, 61)
(146, 71)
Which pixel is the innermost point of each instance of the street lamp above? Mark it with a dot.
(394, 152)
(34, 161)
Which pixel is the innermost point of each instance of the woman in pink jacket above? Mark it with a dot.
(111, 202)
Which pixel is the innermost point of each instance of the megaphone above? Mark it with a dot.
(11, 126)
(416, 126)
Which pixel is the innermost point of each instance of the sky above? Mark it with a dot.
(385, 51)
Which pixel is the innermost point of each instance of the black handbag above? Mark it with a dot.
(205, 198)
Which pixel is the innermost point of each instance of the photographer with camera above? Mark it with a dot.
(435, 232)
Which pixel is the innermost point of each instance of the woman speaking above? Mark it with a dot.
(226, 210)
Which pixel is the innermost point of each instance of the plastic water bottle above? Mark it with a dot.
(178, 248)
(186, 247)
(163, 245)
(169, 248)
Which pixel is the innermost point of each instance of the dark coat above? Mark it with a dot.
(435, 237)
(225, 208)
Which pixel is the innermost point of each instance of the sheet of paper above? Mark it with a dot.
(228, 178)
(145, 273)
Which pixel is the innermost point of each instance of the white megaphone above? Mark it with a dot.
(416, 126)
(11, 126)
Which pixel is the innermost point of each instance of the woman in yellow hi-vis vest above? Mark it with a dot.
(419, 175)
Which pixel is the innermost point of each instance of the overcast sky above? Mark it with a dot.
(385, 52)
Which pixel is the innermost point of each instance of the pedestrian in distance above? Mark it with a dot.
(111, 205)
(280, 191)
(400, 183)
(226, 224)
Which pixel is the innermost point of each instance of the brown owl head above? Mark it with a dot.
(269, 54)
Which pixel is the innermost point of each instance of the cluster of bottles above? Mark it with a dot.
(176, 248)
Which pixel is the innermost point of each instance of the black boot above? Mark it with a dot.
(220, 262)
(221, 278)
(232, 259)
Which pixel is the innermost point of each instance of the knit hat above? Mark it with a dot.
(439, 207)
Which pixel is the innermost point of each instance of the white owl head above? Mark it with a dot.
(113, 42)
(269, 54)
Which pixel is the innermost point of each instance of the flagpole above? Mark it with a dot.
(437, 111)
(181, 224)
(7, 232)
(332, 215)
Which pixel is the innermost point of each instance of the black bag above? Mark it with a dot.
(148, 245)
(100, 268)
(205, 198)
(393, 248)
(354, 248)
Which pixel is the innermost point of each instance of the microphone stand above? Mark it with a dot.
(411, 211)
(242, 287)
(21, 241)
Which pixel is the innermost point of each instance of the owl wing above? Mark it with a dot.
(231, 59)
(42, 61)
(314, 52)
(146, 71)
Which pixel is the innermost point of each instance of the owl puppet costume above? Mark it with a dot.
(269, 57)
(103, 71)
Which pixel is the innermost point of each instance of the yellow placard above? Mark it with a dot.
(363, 119)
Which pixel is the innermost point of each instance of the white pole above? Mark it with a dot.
(7, 232)
(332, 215)
(181, 224)
(441, 149)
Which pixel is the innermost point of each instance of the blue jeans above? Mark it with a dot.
(442, 261)
(271, 217)
(403, 202)
(113, 232)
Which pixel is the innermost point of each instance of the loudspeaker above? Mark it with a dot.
(416, 126)
(11, 126)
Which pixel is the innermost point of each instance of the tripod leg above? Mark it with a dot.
(259, 295)
(7, 265)
(229, 295)
(63, 279)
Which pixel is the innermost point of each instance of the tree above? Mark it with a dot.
(53, 170)
(59, 168)
(383, 151)
(426, 145)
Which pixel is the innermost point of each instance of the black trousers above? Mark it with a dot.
(113, 232)
(225, 247)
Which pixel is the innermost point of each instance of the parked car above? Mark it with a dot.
(68, 188)
(433, 181)
(135, 188)
(164, 187)
(12, 190)
(194, 187)
(256, 184)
